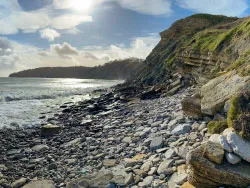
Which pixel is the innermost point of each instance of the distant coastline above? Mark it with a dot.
(115, 70)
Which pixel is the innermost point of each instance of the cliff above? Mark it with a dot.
(118, 69)
(199, 48)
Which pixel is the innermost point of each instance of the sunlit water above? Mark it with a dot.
(23, 100)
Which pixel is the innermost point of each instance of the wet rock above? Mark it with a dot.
(50, 130)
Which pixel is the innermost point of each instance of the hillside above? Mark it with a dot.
(199, 48)
(118, 69)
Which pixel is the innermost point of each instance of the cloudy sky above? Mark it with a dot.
(38, 33)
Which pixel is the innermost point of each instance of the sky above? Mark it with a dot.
(48, 33)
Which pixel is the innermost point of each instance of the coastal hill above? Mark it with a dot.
(199, 47)
(117, 69)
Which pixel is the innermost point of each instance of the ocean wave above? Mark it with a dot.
(38, 97)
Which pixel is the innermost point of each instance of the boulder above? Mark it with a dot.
(40, 184)
(206, 174)
(191, 106)
(240, 146)
(217, 91)
(214, 152)
(50, 130)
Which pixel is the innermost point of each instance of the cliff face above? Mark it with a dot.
(118, 69)
(199, 48)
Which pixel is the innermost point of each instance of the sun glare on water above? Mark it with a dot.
(81, 4)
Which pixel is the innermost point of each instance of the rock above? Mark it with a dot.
(191, 106)
(146, 166)
(187, 185)
(39, 148)
(100, 180)
(181, 129)
(172, 124)
(40, 184)
(217, 91)
(156, 143)
(178, 179)
(206, 174)
(224, 144)
(52, 166)
(214, 152)
(148, 181)
(109, 162)
(165, 167)
(162, 176)
(131, 162)
(170, 154)
(232, 158)
(215, 138)
(19, 183)
(127, 140)
(50, 130)
(14, 151)
(240, 147)
(129, 179)
(73, 142)
(152, 171)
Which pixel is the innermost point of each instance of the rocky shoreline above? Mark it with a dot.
(138, 143)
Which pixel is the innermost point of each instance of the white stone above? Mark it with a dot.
(224, 144)
(240, 147)
(232, 158)
(215, 138)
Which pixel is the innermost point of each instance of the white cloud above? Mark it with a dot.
(5, 47)
(152, 7)
(73, 31)
(64, 50)
(225, 7)
(13, 18)
(69, 21)
(49, 34)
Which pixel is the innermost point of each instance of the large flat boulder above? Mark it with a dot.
(217, 91)
(206, 174)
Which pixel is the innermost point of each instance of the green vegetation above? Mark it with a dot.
(216, 19)
(234, 111)
(217, 127)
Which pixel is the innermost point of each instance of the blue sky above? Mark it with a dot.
(37, 33)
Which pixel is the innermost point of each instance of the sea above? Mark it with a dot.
(24, 100)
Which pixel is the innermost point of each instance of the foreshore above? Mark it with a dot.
(133, 142)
